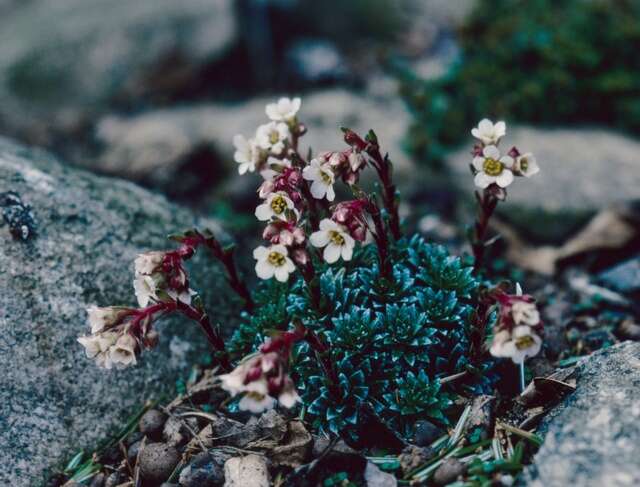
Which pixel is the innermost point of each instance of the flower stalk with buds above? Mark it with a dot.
(493, 172)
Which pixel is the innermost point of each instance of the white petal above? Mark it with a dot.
(282, 274)
(347, 252)
(318, 190)
(500, 128)
(507, 161)
(331, 253)
(281, 249)
(478, 162)
(505, 179)
(264, 270)
(492, 152)
(289, 265)
(331, 194)
(264, 212)
(260, 252)
(482, 180)
(320, 238)
(328, 224)
(485, 125)
(476, 133)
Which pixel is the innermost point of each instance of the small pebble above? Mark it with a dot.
(249, 471)
(449, 471)
(426, 433)
(151, 424)
(157, 461)
(205, 470)
(132, 452)
(116, 478)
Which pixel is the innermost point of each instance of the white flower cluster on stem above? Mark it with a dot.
(492, 167)
(517, 334)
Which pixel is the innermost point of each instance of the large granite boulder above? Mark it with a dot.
(62, 62)
(53, 400)
(593, 438)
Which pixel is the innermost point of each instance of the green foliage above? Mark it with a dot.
(390, 339)
(539, 61)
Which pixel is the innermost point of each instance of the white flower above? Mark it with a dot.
(335, 239)
(148, 262)
(272, 136)
(322, 178)
(101, 317)
(289, 396)
(489, 133)
(123, 353)
(526, 165)
(275, 206)
(273, 261)
(247, 154)
(284, 110)
(146, 289)
(183, 296)
(524, 313)
(256, 403)
(517, 345)
(492, 168)
(97, 347)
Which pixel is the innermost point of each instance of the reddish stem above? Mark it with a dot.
(384, 168)
(380, 236)
(213, 337)
(486, 206)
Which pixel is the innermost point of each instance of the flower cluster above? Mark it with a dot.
(296, 194)
(490, 166)
(517, 334)
(263, 378)
(117, 334)
(161, 286)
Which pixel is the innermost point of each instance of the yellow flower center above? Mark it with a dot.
(336, 238)
(274, 137)
(492, 167)
(278, 205)
(326, 178)
(524, 164)
(276, 259)
(524, 342)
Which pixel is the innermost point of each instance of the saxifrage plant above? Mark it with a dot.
(356, 322)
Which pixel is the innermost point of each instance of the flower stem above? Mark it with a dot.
(380, 236)
(486, 206)
(213, 337)
(323, 352)
(384, 168)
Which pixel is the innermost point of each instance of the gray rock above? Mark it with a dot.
(63, 61)
(593, 437)
(205, 470)
(624, 277)
(426, 433)
(53, 400)
(581, 169)
(157, 461)
(377, 478)
(249, 471)
(151, 423)
(449, 471)
(155, 146)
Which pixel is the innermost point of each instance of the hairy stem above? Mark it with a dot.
(384, 168)
(486, 206)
